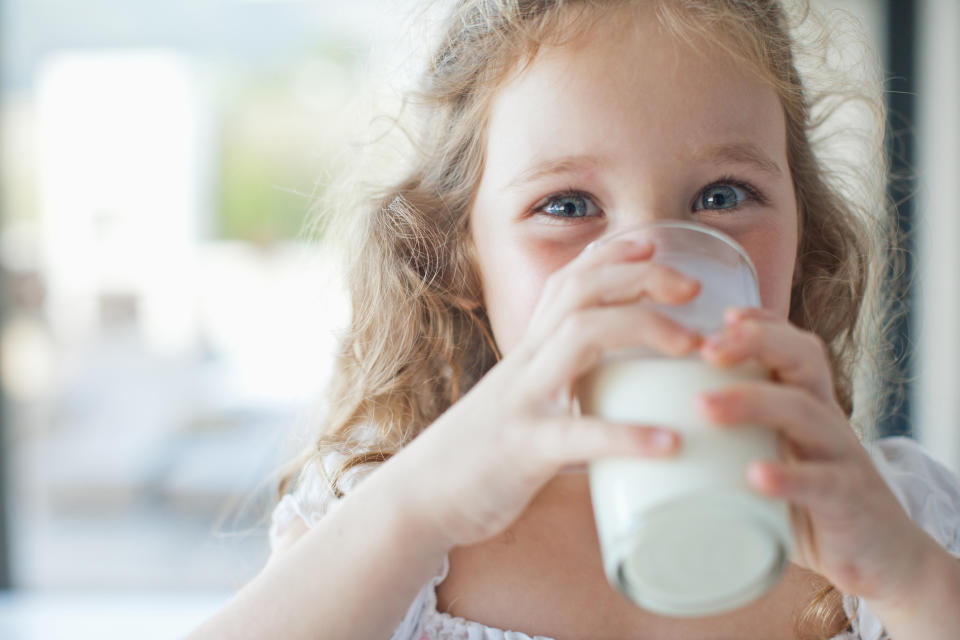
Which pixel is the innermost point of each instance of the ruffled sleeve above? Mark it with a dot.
(313, 495)
(929, 493)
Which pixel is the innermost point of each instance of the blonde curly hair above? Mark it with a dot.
(418, 340)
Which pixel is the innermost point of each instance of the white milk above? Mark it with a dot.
(683, 535)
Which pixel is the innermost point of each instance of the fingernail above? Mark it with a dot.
(663, 439)
(637, 246)
(714, 343)
(732, 315)
(756, 477)
(689, 285)
(707, 402)
(687, 342)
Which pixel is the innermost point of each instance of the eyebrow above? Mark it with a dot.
(740, 153)
(565, 164)
(737, 152)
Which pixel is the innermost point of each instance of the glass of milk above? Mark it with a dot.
(685, 535)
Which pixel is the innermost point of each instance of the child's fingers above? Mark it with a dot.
(570, 290)
(623, 282)
(793, 356)
(600, 252)
(595, 255)
(736, 314)
(817, 428)
(815, 485)
(582, 339)
(574, 439)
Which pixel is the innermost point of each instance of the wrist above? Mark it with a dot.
(409, 509)
(932, 585)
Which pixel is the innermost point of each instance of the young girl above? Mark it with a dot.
(476, 309)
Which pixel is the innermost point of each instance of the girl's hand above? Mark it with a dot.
(477, 467)
(848, 525)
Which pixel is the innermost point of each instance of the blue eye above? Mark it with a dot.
(726, 194)
(569, 205)
(720, 196)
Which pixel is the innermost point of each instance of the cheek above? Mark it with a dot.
(514, 274)
(774, 255)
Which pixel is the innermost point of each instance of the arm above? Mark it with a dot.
(848, 524)
(353, 575)
(473, 471)
(929, 606)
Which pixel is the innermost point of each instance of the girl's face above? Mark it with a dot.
(621, 126)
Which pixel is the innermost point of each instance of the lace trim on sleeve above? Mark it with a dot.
(313, 496)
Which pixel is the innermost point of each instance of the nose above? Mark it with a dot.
(636, 219)
(648, 194)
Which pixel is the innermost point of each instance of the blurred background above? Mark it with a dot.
(166, 322)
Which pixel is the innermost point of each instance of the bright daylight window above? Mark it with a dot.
(167, 319)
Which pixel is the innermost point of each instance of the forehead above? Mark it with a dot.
(626, 82)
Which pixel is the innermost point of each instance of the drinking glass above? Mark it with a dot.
(685, 535)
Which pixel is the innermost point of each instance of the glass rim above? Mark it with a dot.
(692, 226)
